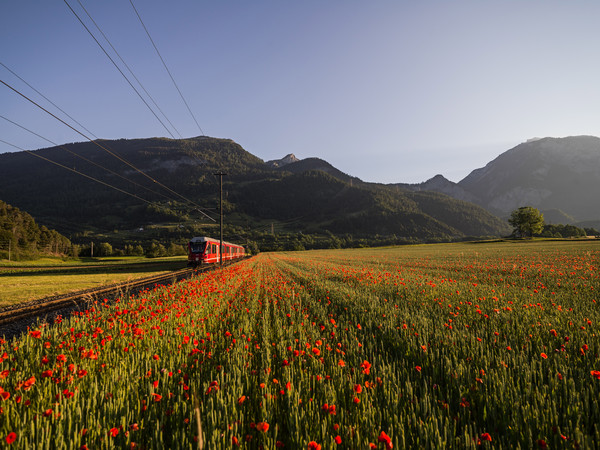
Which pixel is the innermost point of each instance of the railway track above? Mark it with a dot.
(15, 319)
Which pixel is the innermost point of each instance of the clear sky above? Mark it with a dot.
(388, 91)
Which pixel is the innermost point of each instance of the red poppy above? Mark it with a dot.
(383, 437)
(312, 445)
(595, 374)
(418, 368)
(543, 355)
(262, 426)
(486, 437)
(11, 437)
(113, 432)
(366, 366)
(4, 394)
(357, 388)
(338, 440)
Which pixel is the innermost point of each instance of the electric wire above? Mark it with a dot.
(87, 160)
(167, 69)
(199, 208)
(77, 172)
(47, 99)
(74, 120)
(119, 69)
(129, 68)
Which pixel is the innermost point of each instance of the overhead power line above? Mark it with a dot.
(119, 69)
(77, 172)
(129, 68)
(199, 208)
(86, 159)
(166, 68)
(47, 99)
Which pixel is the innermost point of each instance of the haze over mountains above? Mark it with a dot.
(171, 183)
(559, 176)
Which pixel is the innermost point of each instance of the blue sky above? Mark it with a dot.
(389, 91)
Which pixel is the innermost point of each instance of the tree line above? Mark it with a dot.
(528, 221)
(21, 237)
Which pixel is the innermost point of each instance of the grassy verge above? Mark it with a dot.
(21, 282)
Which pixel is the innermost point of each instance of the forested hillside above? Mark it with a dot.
(21, 237)
(166, 190)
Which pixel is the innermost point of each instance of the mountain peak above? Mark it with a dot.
(287, 159)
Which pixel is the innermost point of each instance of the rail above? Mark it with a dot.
(15, 318)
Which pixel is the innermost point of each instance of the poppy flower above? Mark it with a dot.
(113, 432)
(366, 366)
(11, 437)
(4, 394)
(262, 426)
(312, 445)
(383, 437)
(543, 355)
(486, 437)
(338, 440)
(596, 374)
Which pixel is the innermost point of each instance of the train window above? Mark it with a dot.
(197, 247)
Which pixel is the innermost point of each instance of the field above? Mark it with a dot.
(20, 281)
(460, 345)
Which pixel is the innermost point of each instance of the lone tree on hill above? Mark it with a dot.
(526, 221)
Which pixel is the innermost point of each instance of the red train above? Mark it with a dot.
(205, 250)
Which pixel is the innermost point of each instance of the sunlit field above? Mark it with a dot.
(434, 346)
(23, 281)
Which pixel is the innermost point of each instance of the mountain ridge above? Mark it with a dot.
(303, 196)
(559, 176)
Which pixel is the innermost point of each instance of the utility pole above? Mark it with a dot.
(220, 175)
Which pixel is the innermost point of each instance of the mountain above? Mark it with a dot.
(308, 164)
(165, 189)
(287, 159)
(559, 176)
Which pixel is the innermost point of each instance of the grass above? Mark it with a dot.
(431, 346)
(23, 281)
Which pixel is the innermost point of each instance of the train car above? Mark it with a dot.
(205, 250)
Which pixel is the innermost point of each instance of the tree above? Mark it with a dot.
(526, 221)
(105, 249)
